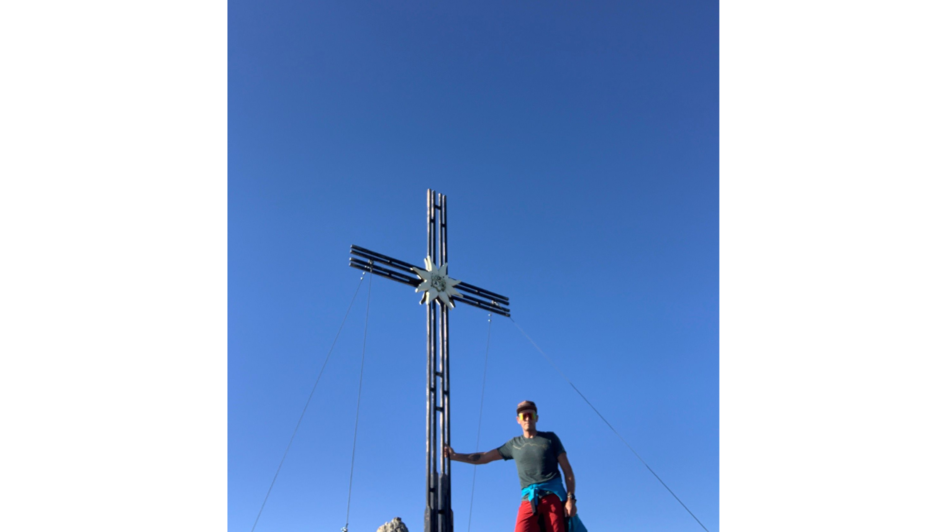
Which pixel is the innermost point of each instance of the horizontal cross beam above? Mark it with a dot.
(406, 266)
(400, 271)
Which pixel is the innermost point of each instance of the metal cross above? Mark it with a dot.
(441, 291)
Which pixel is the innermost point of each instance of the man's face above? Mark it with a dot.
(527, 419)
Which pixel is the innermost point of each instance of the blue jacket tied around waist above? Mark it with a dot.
(534, 493)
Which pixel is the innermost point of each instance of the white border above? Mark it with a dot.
(113, 220)
(832, 266)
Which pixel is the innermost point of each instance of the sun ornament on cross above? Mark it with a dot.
(436, 284)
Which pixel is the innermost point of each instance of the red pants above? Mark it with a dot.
(550, 510)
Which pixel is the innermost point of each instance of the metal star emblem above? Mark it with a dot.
(436, 284)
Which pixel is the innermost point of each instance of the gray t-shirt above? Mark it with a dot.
(536, 458)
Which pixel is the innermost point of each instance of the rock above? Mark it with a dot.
(395, 525)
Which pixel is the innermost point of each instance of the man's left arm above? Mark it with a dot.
(570, 504)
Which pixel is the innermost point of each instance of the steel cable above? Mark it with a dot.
(479, 423)
(549, 360)
(361, 376)
(306, 407)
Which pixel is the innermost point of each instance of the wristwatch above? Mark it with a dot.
(571, 496)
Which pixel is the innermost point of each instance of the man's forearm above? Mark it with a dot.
(570, 483)
(473, 458)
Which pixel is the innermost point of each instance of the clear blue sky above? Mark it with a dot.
(578, 146)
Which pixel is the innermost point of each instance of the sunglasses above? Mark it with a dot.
(528, 415)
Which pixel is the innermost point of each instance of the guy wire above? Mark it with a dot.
(271, 484)
(361, 376)
(606, 421)
(479, 424)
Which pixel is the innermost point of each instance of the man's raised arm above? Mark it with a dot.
(474, 458)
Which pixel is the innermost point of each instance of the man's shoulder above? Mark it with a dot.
(554, 441)
(512, 443)
(514, 439)
(507, 449)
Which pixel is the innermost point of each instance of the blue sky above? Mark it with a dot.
(578, 147)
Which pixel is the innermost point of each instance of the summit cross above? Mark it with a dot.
(440, 291)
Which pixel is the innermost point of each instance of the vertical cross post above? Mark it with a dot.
(438, 516)
(439, 293)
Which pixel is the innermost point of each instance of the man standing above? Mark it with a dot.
(538, 456)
